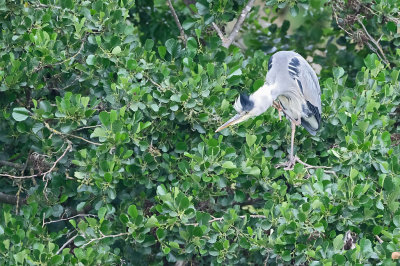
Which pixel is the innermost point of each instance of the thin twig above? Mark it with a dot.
(14, 165)
(69, 135)
(153, 82)
(214, 219)
(18, 194)
(66, 244)
(379, 239)
(238, 24)
(105, 236)
(87, 127)
(11, 199)
(69, 148)
(219, 32)
(68, 218)
(66, 60)
(178, 23)
(373, 41)
(40, 5)
(66, 86)
(337, 21)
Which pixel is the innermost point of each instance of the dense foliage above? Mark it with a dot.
(107, 145)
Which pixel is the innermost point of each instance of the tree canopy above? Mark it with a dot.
(108, 153)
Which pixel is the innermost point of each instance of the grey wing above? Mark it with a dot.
(307, 81)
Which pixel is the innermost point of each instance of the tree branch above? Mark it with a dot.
(214, 219)
(178, 23)
(373, 41)
(219, 32)
(11, 199)
(239, 23)
(227, 41)
(14, 165)
(69, 135)
(69, 147)
(68, 218)
(66, 244)
(104, 236)
(66, 60)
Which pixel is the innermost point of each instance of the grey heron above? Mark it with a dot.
(293, 83)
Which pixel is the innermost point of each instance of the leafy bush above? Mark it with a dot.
(108, 151)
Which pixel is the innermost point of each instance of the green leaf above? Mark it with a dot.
(370, 61)
(339, 259)
(162, 51)
(250, 139)
(249, 230)
(338, 72)
(166, 250)
(254, 170)
(91, 60)
(105, 118)
(20, 114)
(338, 242)
(132, 211)
(161, 190)
(116, 50)
(102, 212)
(161, 233)
(151, 222)
(172, 47)
(396, 221)
(63, 198)
(228, 165)
(366, 247)
(188, 23)
(184, 203)
(149, 45)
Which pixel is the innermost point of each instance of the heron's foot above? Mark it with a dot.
(278, 107)
(289, 165)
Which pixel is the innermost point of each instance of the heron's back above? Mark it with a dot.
(297, 88)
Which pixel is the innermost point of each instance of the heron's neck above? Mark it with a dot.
(263, 98)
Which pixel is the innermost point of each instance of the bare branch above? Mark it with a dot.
(69, 148)
(105, 236)
(11, 199)
(64, 61)
(68, 218)
(241, 217)
(87, 127)
(14, 165)
(219, 32)
(178, 23)
(69, 135)
(153, 82)
(66, 244)
(379, 239)
(238, 24)
(373, 41)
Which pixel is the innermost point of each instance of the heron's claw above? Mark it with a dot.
(289, 165)
(278, 107)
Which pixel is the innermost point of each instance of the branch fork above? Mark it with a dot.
(227, 41)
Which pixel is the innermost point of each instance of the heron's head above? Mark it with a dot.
(244, 107)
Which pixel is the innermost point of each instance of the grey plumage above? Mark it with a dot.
(298, 90)
(294, 85)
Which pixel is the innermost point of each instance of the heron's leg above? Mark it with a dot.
(292, 159)
(278, 107)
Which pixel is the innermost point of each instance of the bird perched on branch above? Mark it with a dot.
(294, 85)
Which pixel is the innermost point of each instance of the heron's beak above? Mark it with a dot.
(234, 120)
